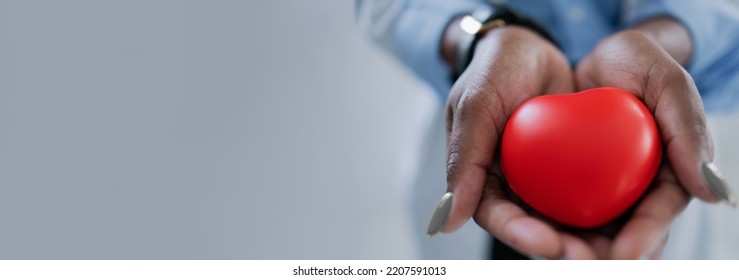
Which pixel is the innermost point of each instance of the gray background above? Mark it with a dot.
(200, 129)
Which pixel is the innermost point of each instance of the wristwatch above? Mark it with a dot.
(491, 16)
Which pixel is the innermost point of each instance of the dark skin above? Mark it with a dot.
(646, 60)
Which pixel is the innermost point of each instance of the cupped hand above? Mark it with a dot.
(510, 65)
(632, 61)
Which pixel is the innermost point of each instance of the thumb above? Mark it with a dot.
(472, 137)
(678, 111)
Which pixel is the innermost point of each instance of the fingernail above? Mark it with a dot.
(441, 213)
(717, 184)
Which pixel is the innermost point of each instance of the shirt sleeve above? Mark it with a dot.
(412, 31)
(713, 26)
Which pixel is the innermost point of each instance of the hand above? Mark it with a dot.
(510, 65)
(484, 97)
(633, 61)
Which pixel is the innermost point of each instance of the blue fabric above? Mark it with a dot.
(578, 25)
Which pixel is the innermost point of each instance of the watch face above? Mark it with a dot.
(483, 19)
(470, 25)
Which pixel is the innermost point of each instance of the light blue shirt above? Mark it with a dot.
(412, 29)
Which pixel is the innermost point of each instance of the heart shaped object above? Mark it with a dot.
(581, 159)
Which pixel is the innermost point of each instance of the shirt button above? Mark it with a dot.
(576, 14)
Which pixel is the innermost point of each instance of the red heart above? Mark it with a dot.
(581, 159)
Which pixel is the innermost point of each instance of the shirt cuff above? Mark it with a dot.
(700, 19)
(418, 36)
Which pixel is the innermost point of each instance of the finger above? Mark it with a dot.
(513, 226)
(472, 140)
(574, 248)
(651, 219)
(601, 245)
(657, 252)
(678, 111)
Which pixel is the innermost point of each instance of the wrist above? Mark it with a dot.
(670, 35)
(452, 35)
(462, 34)
(512, 39)
(515, 45)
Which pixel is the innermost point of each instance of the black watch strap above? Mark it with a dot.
(480, 21)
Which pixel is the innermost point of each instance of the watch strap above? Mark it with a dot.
(484, 19)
